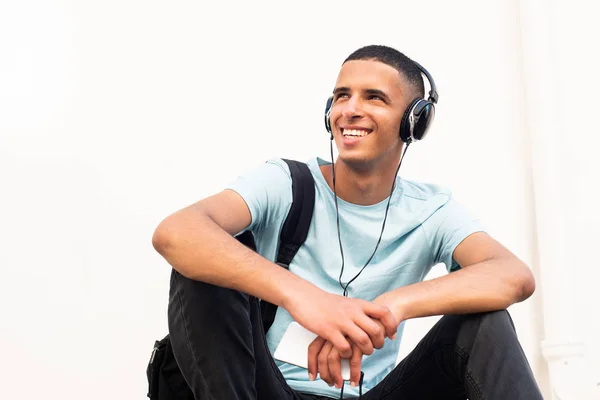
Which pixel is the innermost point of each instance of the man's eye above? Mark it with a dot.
(375, 97)
(340, 96)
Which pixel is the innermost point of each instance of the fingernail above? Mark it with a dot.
(353, 384)
(311, 377)
(394, 336)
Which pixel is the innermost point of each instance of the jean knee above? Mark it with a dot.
(496, 326)
(499, 322)
(499, 317)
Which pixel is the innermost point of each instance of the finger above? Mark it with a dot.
(335, 367)
(324, 364)
(390, 324)
(383, 314)
(355, 365)
(372, 327)
(360, 338)
(339, 341)
(313, 353)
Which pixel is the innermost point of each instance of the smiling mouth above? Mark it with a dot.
(355, 133)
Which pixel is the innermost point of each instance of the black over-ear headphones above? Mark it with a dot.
(416, 119)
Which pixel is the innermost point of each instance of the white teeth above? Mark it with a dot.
(355, 132)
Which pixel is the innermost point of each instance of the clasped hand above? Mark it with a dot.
(346, 328)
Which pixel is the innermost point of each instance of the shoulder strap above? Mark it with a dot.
(295, 227)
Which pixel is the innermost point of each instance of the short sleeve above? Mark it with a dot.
(446, 228)
(267, 191)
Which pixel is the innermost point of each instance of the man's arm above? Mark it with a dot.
(491, 278)
(197, 241)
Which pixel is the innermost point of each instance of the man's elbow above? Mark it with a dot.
(525, 283)
(163, 238)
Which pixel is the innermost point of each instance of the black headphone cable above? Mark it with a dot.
(345, 288)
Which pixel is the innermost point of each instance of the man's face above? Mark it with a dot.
(369, 100)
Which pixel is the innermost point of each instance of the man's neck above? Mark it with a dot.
(360, 187)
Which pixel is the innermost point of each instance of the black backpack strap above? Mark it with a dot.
(295, 227)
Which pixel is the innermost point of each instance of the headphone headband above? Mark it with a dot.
(433, 94)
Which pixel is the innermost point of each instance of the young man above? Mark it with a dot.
(356, 278)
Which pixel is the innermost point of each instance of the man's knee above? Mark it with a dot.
(496, 321)
(189, 293)
(494, 327)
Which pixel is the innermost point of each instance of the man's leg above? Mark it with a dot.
(476, 356)
(219, 343)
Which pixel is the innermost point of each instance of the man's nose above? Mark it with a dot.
(352, 108)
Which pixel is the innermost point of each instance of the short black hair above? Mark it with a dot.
(395, 59)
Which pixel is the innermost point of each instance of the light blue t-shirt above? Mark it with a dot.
(424, 225)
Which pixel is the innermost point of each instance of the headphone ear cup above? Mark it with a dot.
(405, 132)
(424, 114)
(416, 120)
(328, 116)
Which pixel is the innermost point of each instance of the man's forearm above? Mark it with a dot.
(486, 286)
(211, 255)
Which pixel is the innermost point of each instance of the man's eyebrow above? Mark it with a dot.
(372, 92)
(377, 92)
(341, 90)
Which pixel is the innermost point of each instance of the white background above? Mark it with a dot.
(115, 114)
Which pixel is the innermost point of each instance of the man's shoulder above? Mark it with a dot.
(280, 164)
(272, 172)
(420, 200)
(277, 164)
(424, 191)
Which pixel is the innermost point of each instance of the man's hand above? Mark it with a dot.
(392, 302)
(325, 360)
(341, 320)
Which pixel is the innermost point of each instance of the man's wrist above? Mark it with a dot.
(296, 288)
(401, 306)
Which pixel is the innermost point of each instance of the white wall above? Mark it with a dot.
(557, 38)
(114, 114)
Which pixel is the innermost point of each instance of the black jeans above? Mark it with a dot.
(219, 344)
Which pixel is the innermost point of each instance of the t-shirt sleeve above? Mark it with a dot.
(267, 191)
(446, 228)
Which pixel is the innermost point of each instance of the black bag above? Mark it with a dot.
(165, 381)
